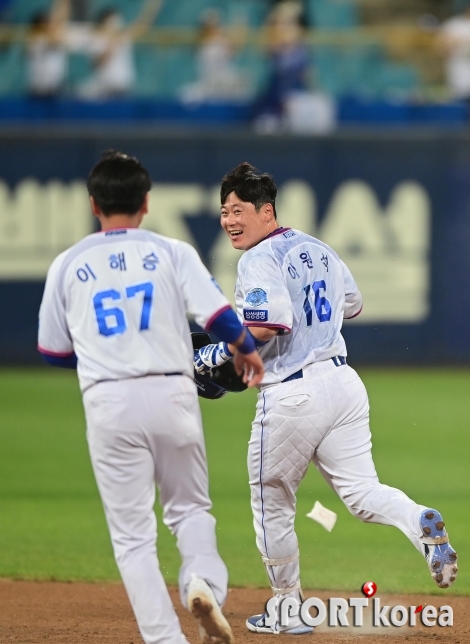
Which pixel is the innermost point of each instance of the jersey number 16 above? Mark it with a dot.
(322, 305)
(105, 316)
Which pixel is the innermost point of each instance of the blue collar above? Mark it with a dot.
(278, 231)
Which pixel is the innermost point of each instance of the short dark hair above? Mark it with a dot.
(249, 185)
(118, 183)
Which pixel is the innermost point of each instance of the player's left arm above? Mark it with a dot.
(267, 306)
(54, 341)
(353, 297)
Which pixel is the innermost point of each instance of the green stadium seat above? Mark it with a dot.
(362, 70)
(333, 14)
(162, 72)
(254, 66)
(79, 69)
(328, 66)
(12, 70)
(397, 79)
(184, 14)
(23, 12)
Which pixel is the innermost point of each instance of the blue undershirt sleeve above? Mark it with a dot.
(258, 343)
(227, 326)
(68, 362)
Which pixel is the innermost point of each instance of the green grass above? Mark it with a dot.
(52, 523)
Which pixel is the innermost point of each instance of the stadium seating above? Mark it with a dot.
(345, 70)
(12, 70)
(188, 14)
(363, 70)
(333, 14)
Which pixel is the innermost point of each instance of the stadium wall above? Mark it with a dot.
(395, 205)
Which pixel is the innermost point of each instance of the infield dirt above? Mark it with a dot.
(99, 613)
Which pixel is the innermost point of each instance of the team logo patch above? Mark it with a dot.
(256, 297)
(255, 316)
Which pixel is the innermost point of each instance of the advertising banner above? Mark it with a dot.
(396, 208)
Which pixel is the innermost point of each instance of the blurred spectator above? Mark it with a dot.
(111, 47)
(218, 78)
(46, 51)
(454, 41)
(289, 62)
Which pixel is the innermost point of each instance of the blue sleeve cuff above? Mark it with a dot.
(227, 326)
(69, 362)
(258, 343)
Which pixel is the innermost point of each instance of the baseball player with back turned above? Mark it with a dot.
(115, 306)
(293, 293)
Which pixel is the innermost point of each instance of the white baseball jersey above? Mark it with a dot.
(298, 284)
(119, 300)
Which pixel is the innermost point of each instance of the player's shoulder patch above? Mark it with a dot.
(289, 233)
(256, 297)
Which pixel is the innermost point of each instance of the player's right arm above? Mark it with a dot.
(212, 311)
(54, 341)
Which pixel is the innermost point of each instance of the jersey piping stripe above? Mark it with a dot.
(268, 326)
(215, 315)
(261, 474)
(57, 354)
(355, 314)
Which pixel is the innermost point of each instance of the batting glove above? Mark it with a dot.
(211, 356)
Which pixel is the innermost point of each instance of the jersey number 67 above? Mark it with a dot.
(104, 317)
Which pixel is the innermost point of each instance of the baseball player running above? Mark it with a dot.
(292, 294)
(115, 307)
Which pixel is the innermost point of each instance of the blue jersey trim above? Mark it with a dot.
(227, 326)
(69, 362)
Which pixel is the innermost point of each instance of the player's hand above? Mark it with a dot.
(250, 366)
(211, 356)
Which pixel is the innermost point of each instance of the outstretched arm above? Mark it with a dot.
(59, 18)
(144, 20)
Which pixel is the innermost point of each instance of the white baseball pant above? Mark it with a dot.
(324, 418)
(144, 432)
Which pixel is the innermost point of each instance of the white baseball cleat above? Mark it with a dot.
(213, 627)
(256, 624)
(439, 554)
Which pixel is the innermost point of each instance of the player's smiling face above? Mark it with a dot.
(246, 226)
